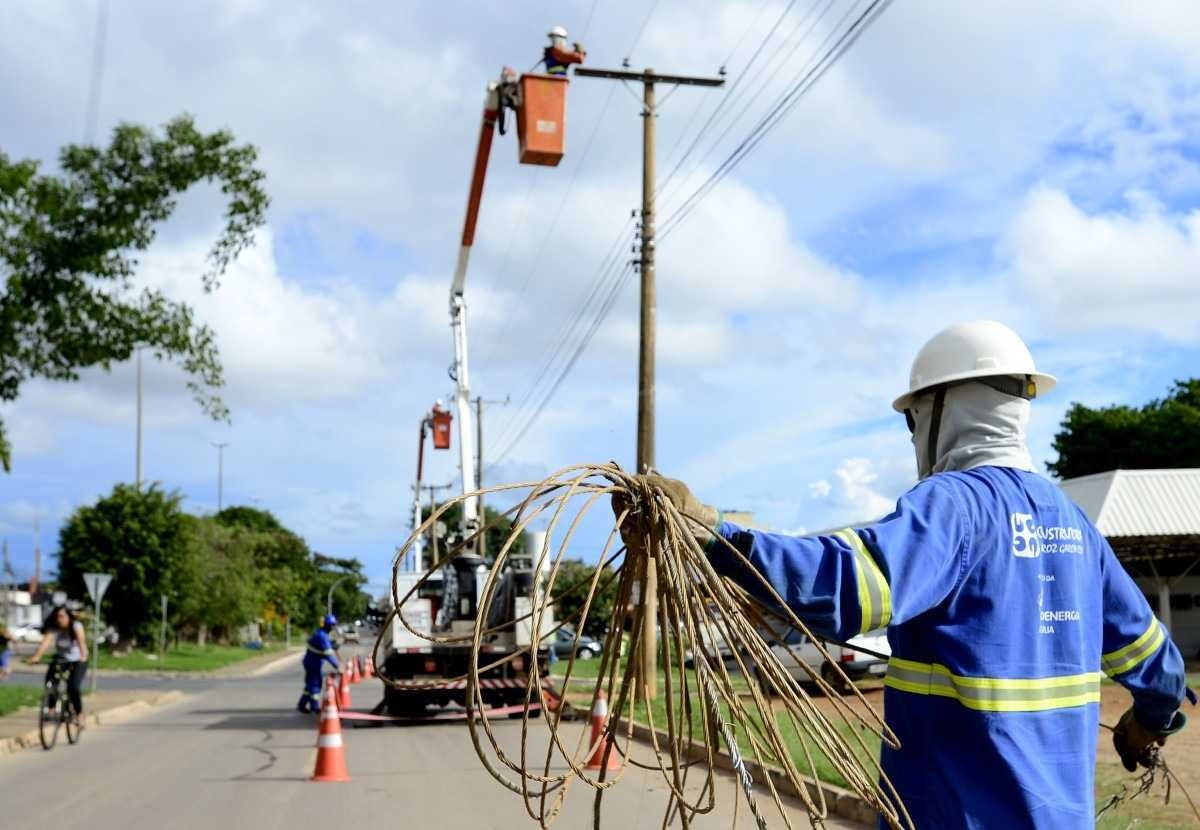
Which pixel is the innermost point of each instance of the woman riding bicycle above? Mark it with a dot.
(66, 634)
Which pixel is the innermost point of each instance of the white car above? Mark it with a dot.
(865, 662)
(25, 634)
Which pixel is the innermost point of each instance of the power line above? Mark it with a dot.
(564, 334)
(642, 29)
(777, 112)
(729, 91)
(759, 84)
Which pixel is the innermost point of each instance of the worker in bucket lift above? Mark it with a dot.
(319, 651)
(1004, 606)
(557, 56)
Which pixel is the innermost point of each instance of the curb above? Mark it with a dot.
(105, 717)
(274, 665)
(842, 802)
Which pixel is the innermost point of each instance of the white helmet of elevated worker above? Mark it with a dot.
(975, 350)
(558, 32)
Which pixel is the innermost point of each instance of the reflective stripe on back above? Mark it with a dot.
(874, 595)
(994, 694)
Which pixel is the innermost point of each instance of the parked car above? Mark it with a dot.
(859, 659)
(25, 634)
(585, 647)
(349, 634)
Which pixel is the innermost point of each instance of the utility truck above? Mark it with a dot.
(428, 674)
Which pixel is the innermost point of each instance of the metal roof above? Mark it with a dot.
(1140, 502)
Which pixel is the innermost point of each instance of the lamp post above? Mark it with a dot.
(329, 598)
(220, 472)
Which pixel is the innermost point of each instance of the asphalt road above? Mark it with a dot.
(236, 755)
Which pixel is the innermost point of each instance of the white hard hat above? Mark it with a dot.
(558, 31)
(965, 351)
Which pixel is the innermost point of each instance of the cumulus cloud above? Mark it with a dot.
(1108, 270)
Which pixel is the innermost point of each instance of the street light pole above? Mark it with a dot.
(220, 472)
(329, 598)
(645, 422)
(139, 420)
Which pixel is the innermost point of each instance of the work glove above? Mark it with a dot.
(1133, 741)
(682, 498)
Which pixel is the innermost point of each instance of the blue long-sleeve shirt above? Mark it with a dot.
(1004, 608)
(320, 650)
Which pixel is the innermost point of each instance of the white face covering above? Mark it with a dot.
(979, 427)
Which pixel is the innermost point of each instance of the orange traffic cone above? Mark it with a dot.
(343, 692)
(331, 755)
(603, 747)
(369, 668)
(353, 667)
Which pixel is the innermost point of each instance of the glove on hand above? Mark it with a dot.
(682, 498)
(1133, 741)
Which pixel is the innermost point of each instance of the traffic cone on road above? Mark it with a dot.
(354, 678)
(369, 668)
(602, 747)
(343, 692)
(331, 755)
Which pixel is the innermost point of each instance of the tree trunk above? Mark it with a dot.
(202, 635)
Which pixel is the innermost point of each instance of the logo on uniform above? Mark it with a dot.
(1025, 542)
(1030, 539)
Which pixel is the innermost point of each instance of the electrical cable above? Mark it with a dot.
(565, 331)
(709, 705)
(769, 121)
(641, 30)
(662, 189)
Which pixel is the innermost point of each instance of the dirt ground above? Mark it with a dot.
(1146, 812)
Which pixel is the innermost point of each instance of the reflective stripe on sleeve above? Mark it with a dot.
(1133, 655)
(994, 694)
(874, 595)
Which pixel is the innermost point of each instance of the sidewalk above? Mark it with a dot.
(19, 729)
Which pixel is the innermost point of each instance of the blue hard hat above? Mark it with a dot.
(330, 619)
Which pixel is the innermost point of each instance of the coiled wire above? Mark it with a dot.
(705, 705)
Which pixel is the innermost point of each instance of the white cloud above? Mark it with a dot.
(820, 489)
(1110, 271)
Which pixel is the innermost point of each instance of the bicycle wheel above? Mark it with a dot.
(48, 718)
(69, 717)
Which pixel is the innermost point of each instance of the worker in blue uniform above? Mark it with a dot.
(1004, 606)
(320, 650)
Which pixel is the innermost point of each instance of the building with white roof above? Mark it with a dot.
(1152, 520)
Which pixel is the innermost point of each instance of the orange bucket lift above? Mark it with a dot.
(542, 119)
(441, 428)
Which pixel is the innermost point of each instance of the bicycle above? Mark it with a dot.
(56, 710)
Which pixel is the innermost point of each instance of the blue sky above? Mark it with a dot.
(1029, 163)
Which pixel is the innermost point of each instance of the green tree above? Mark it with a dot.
(67, 255)
(251, 518)
(1163, 433)
(217, 583)
(349, 600)
(285, 566)
(571, 588)
(139, 538)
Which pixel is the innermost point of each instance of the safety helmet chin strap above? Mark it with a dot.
(1017, 387)
(935, 426)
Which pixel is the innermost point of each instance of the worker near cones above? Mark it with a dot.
(331, 754)
(557, 57)
(1003, 604)
(318, 652)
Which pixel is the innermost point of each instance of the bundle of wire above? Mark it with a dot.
(709, 701)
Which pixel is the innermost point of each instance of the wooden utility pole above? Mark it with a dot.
(645, 426)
